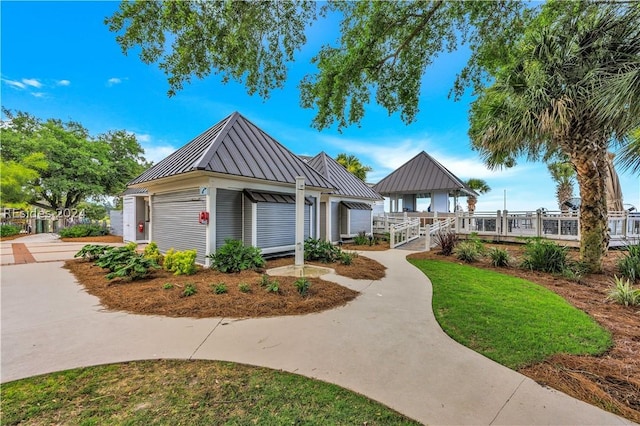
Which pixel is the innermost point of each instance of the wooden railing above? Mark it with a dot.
(402, 233)
(438, 226)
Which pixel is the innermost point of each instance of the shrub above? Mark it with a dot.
(131, 245)
(220, 288)
(447, 241)
(167, 286)
(83, 230)
(477, 242)
(273, 287)
(234, 256)
(629, 266)
(264, 280)
(543, 255)
(137, 267)
(499, 257)
(302, 285)
(167, 262)
(324, 251)
(347, 258)
(92, 251)
(623, 293)
(183, 262)
(152, 252)
(244, 287)
(189, 290)
(361, 239)
(467, 251)
(115, 258)
(575, 271)
(9, 229)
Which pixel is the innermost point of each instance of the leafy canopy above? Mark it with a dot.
(61, 164)
(382, 53)
(353, 165)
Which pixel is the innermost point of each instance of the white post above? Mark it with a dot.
(299, 258)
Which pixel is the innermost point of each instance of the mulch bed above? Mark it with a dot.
(12, 237)
(610, 381)
(149, 297)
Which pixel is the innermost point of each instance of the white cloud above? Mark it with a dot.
(142, 137)
(113, 81)
(156, 153)
(32, 82)
(63, 82)
(14, 84)
(38, 94)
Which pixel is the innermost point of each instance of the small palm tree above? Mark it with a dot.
(353, 165)
(562, 173)
(478, 185)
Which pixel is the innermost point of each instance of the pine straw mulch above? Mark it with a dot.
(12, 237)
(149, 297)
(610, 381)
(99, 239)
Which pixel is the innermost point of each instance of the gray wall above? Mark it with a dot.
(228, 218)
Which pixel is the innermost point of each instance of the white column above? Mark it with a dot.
(299, 258)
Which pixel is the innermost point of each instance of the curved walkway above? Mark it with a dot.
(385, 344)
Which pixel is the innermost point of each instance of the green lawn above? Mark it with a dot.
(186, 392)
(508, 319)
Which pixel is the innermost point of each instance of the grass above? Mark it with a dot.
(508, 319)
(186, 392)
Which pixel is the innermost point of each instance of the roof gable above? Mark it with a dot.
(344, 181)
(421, 174)
(236, 147)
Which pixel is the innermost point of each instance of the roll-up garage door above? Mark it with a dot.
(276, 224)
(228, 215)
(174, 221)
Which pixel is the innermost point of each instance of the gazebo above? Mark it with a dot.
(422, 177)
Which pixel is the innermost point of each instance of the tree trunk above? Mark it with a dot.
(590, 166)
(564, 191)
(471, 203)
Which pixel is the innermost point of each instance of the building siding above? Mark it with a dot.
(228, 220)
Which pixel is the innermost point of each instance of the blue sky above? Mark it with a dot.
(60, 61)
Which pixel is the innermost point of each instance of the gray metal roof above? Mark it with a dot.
(134, 191)
(356, 206)
(421, 175)
(236, 147)
(273, 197)
(345, 182)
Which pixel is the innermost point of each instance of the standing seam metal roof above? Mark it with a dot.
(344, 181)
(236, 147)
(421, 174)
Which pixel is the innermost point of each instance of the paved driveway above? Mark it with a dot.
(385, 344)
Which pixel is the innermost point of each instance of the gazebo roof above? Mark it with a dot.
(345, 182)
(421, 175)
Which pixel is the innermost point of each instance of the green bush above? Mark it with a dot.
(167, 262)
(92, 251)
(544, 255)
(167, 286)
(189, 290)
(499, 257)
(477, 242)
(273, 286)
(361, 239)
(115, 258)
(136, 267)
(629, 266)
(623, 293)
(324, 251)
(83, 230)
(447, 241)
(234, 256)
(7, 230)
(467, 251)
(219, 288)
(152, 252)
(347, 258)
(302, 285)
(183, 262)
(244, 287)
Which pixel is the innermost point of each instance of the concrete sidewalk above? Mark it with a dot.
(385, 344)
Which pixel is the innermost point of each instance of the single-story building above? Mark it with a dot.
(347, 210)
(235, 181)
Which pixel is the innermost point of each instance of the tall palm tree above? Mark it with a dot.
(353, 165)
(571, 86)
(478, 185)
(562, 173)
